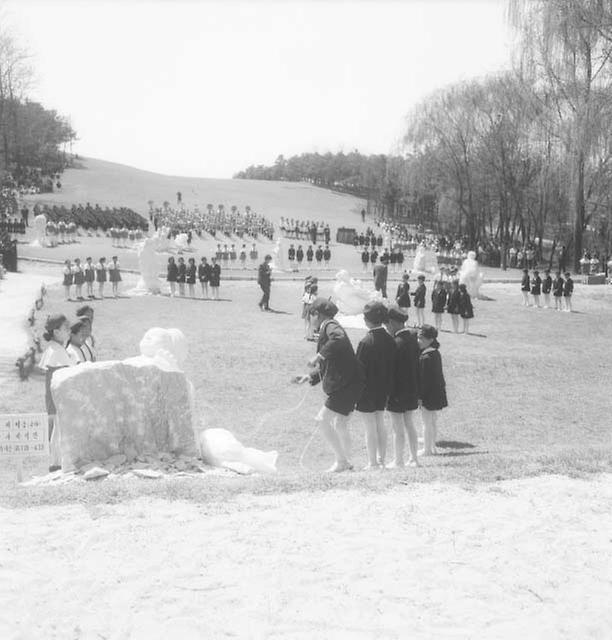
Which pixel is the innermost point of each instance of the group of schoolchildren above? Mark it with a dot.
(321, 255)
(230, 256)
(448, 296)
(182, 273)
(395, 258)
(69, 344)
(394, 369)
(79, 275)
(535, 287)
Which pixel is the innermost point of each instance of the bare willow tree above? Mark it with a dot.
(566, 49)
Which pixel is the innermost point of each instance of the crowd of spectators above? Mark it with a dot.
(213, 221)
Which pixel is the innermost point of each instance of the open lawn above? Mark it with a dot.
(525, 393)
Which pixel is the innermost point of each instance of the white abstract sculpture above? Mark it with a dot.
(470, 275)
(168, 347)
(277, 263)
(148, 264)
(350, 295)
(219, 448)
(40, 228)
(180, 242)
(163, 242)
(425, 260)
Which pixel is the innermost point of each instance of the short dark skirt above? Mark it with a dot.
(368, 403)
(401, 404)
(343, 401)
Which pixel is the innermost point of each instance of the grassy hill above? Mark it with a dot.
(108, 183)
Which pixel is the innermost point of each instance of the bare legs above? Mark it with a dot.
(430, 431)
(335, 429)
(376, 438)
(403, 424)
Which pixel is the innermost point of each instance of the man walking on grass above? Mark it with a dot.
(264, 280)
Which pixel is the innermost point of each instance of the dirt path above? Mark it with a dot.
(527, 559)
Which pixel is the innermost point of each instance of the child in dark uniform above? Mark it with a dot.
(114, 275)
(336, 366)
(191, 276)
(402, 297)
(181, 276)
(525, 287)
(90, 276)
(172, 275)
(466, 310)
(404, 398)
(568, 290)
(204, 276)
(438, 303)
(419, 301)
(546, 287)
(536, 287)
(376, 352)
(101, 277)
(558, 291)
(432, 387)
(453, 305)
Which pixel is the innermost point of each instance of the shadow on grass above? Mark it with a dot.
(455, 454)
(453, 444)
(277, 311)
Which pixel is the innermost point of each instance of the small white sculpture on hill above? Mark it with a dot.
(350, 295)
(470, 275)
(180, 242)
(40, 229)
(149, 281)
(425, 260)
(163, 242)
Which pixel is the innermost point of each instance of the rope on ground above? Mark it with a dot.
(281, 412)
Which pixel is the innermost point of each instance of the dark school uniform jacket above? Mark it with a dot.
(203, 272)
(376, 352)
(558, 287)
(365, 257)
(568, 288)
(339, 367)
(536, 286)
(291, 253)
(438, 300)
(319, 255)
(191, 274)
(432, 387)
(546, 284)
(172, 272)
(419, 296)
(525, 283)
(182, 272)
(309, 254)
(264, 275)
(405, 393)
(380, 276)
(215, 275)
(465, 306)
(299, 254)
(453, 302)
(402, 297)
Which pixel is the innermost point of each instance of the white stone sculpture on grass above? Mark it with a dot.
(40, 229)
(135, 407)
(425, 261)
(350, 295)
(470, 275)
(219, 448)
(148, 263)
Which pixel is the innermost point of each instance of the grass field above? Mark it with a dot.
(526, 394)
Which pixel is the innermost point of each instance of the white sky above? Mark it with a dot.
(208, 88)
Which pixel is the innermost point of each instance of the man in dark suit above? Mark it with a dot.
(380, 278)
(264, 280)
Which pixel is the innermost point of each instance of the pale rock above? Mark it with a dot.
(95, 473)
(133, 407)
(147, 473)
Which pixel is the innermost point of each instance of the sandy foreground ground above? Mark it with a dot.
(519, 559)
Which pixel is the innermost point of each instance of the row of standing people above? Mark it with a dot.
(185, 275)
(393, 369)
(534, 288)
(84, 277)
(321, 256)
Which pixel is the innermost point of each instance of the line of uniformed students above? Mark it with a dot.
(295, 257)
(186, 274)
(534, 287)
(79, 276)
(394, 369)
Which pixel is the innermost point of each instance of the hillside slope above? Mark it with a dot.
(112, 184)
